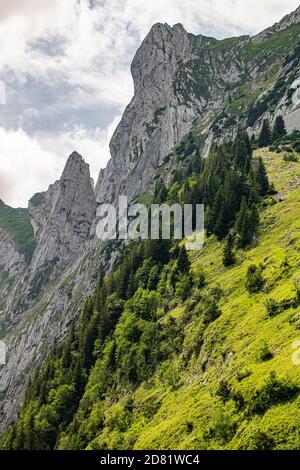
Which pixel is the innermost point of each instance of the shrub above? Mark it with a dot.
(290, 157)
(198, 277)
(211, 311)
(183, 287)
(274, 391)
(254, 280)
(297, 148)
(243, 374)
(223, 390)
(261, 441)
(222, 428)
(264, 353)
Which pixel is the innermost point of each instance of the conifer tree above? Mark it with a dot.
(265, 137)
(88, 339)
(242, 157)
(262, 178)
(254, 219)
(183, 262)
(228, 255)
(246, 223)
(279, 129)
(79, 379)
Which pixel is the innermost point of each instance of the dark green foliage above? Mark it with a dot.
(261, 441)
(183, 263)
(243, 152)
(247, 221)
(279, 129)
(183, 287)
(256, 111)
(224, 390)
(160, 193)
(254, 279)
(273, 392)
(265, 136)
(211, 311)
(122, 333)
(240, 182)
(261, 178)
(290, 157)
(275, 307)
(228, 254)
(265, 354)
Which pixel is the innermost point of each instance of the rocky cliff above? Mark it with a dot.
(181, 80)
(45, 291)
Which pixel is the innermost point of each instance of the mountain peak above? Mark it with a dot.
(76, 166)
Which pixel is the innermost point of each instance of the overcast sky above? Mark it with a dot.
(66, 64)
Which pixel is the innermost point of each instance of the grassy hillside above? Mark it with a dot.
(183, 409)
(17, 223)
(194, 416)
(206, 365)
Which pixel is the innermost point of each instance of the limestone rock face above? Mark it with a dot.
(48, 291)
(64, 216)
(155, 119)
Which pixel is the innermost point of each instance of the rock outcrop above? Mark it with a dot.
(48, 293)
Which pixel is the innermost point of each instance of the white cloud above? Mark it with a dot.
(28, 165)
(24, 166)
(98, 42)
(80, 57)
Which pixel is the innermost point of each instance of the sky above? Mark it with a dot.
(65, 67)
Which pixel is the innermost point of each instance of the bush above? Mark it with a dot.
(297, 148)
(223, 390)
(211, 311)
(290, 157)
(261, 441)
(273, 307)
(274, 391)
(198, 277)
(243, 374)
(183, 287)
(254, 280)
(264, 354)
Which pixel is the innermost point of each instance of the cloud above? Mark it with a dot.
(29, 164)
(23, 166)
(66, 65)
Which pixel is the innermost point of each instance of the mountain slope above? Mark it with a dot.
(193, 371)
